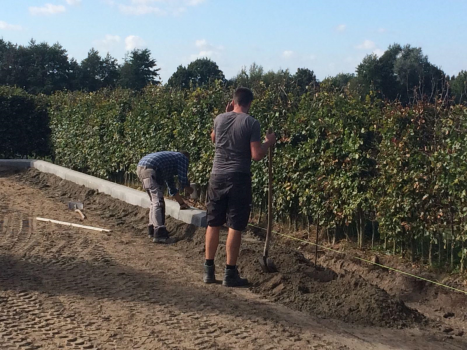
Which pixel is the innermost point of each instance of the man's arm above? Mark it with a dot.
(213, 137)
(182, 173)
(259, 150)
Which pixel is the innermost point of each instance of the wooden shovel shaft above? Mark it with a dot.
(270, 180)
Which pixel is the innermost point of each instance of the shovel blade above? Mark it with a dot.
(267, 265)
(75, 205)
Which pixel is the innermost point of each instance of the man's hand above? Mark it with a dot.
(184, 206)
(230, 107)
(260, 150)
(189, 190)
(270, 139)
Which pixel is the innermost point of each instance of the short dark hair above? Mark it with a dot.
(186, 154)
(243, 96)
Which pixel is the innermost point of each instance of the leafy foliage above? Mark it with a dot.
(24, 124)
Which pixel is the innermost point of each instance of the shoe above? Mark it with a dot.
(161, 235)
(209, 276)
(150, 231)
(232, 279)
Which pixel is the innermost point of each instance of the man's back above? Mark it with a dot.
(233, 134)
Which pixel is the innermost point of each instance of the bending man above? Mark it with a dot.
(237, 139)
(153, 170)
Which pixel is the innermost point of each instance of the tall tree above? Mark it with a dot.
(139, 70)
(459, 87)
(109, 71)
(369, 75)
(47, 67)
(388, 81)
(98, 72)
(304, 79)
(204, 71)
(91, 66)
(339, 82)
(181, 79)
(249, 78)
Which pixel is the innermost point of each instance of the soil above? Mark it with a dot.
(63, 287)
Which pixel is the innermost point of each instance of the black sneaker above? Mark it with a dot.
(209, 276)
(232, 279)
(161, 235)
(150, 231)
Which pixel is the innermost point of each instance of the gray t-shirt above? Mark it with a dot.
(234, 133)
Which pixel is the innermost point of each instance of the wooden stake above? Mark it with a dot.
(73, 225)
(316, 246)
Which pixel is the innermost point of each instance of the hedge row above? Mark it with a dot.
(24, 124)
(360, 168)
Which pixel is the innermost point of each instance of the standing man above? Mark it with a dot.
(153, 170)
(237, 138)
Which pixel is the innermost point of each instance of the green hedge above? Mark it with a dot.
(24, 124)
(350, 165)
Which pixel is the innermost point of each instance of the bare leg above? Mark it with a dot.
(234, 240)
(212, 241)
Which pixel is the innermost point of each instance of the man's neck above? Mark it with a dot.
(240, 109)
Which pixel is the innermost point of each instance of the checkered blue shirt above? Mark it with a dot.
(168, 164)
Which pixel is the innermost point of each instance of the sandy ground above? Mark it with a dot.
(68, 288)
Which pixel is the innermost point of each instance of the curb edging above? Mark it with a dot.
(194, 216)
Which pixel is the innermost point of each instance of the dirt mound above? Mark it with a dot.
(298, 284)
(318, 291)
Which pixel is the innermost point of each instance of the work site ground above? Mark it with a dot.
(64, 287)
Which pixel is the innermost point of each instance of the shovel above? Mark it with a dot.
(266, 263)
(77, 207)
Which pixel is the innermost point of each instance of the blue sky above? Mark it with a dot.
(328, 37)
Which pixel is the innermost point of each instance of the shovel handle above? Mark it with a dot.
(270, 180)
(80, 214)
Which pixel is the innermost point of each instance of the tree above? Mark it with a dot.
(339, 82)
(389, 86)
(418, 77)
(181, 79)
(110, 71)
(91, 66)
(74, 73)
(369, 75)
(200, 72)
(139, 70)
(459, 87)
(47, 67)
(281, 77)
(402, 73)
(251, 78)
(204, 71)
(409, 69)
(304, 79)
(98, 72)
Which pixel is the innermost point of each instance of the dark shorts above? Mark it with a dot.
(229, 200)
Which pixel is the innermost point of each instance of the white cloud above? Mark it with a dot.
(195, 2)
(206, 50)
(134, 42)
(366, 45)
(156, 7)
(382, 30)
(141, 10)
(7, 26)
(341, 28)
(109, 40)
(287, 54)
(47, 9)
(73, 2)
(378, 52)
(108, 44)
